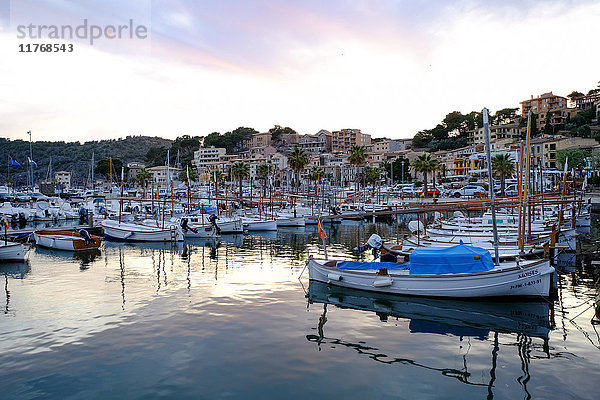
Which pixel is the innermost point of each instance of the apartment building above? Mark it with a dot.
(162, 176)
(544, 102)
(343, 140)
(545, 148)
(63, 178)
(498, 133)
(317, 143)
(208, 155)
(133, 169)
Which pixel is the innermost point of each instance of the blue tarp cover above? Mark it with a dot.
(452, 260)
(361, 266)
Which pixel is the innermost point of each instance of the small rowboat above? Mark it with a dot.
(66, 240)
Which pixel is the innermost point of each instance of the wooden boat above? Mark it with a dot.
(12, 251)
(460, 272)
(127, 231)
(66, 240)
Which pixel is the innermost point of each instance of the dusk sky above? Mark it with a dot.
(389, 68)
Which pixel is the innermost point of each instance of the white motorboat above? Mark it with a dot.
(460, 272)
(12, 251)
(128, 231)
(225, 224)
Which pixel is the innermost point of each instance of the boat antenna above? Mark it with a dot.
(486, 134)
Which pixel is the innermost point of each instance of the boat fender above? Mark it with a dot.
(334, 277)
(130, 234)
(383, 282)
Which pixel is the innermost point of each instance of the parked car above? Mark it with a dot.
(510, 191)
(431, 191)
(469, 190)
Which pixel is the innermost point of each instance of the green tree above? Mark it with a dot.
(358, 156)
(506, 115)
(263, 171)
(425, 164)
(183, 175)
(277, 133)
(316, 173)
(156, 156)
(240, 170)
(372, 175)
(401, 166)
(103, 168)
(503, 165)
(297, 160)
(143, 178)
(577, 157)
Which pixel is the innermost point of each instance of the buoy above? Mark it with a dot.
(382, 282)
(334, 277)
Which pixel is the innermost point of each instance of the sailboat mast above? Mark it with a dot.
(92, 172)
(486, 130)
(30, 160)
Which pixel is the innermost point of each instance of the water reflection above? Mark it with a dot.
(462, 319)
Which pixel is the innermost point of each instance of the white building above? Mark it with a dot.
(161, 177)
(63, 178)
(209, 155)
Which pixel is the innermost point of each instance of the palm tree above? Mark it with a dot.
(371, 176)
(143, 177)
(503, 165)
(297, 161)
(315, 174)
(358, 156)
(425, 164)
(240, 170)
(263, 171)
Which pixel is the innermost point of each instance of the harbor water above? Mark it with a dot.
(237, 318)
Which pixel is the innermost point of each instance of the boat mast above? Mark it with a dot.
(486, 131)
(30, 160)
(92, 173)
(527, 180)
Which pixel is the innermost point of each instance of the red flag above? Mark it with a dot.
(322, 234)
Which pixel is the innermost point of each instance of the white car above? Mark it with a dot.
(470, 190)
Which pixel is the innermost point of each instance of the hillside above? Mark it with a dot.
(73, 156)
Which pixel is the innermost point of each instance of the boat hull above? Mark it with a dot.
(12, 252)
(139, 233)
(261, 225)
(291, 221)
(65, 240)
(528, 280)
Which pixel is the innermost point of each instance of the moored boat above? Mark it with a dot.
(66, 240)
(460, 272)
(12, 251)
(128, 231)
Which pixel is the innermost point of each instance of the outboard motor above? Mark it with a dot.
(83, 213)
(376, 244)
(185, 227)
(213, 222)
(86, 236)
